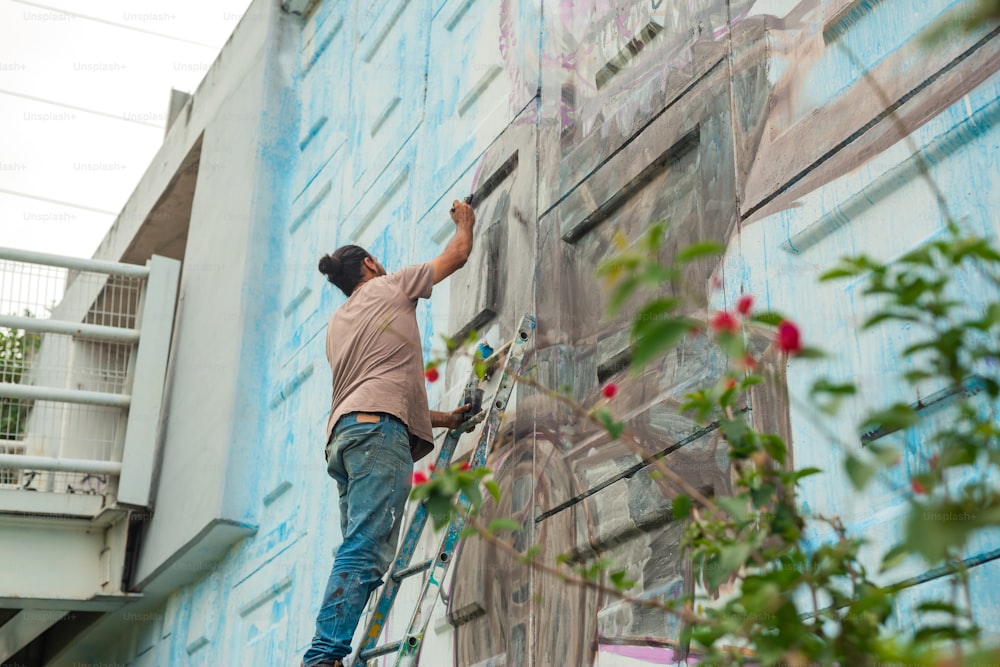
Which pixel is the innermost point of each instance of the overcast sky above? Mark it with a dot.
(84, 90)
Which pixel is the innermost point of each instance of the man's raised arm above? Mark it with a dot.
(456, 253)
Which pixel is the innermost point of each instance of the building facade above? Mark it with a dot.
(794, 132)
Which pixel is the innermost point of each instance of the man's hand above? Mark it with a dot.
(450, 420)
(462, 214)
(456, 253)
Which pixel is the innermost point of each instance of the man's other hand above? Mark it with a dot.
(450, 420)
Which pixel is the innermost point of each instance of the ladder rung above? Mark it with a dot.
(412, 570)
(384, 649)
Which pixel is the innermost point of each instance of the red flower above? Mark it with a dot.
(609, 390)
(731, 383)
(431, 467)
(432, 374)
(744, 304)
(419, 477)
(724, 321)
(789, 339)
(917, 487)
(748, 362)
(465, 466)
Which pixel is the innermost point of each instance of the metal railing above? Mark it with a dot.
(83, 351)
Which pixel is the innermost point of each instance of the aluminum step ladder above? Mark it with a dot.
(407, 649)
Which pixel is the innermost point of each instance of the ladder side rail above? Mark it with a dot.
(388, 591)
(410, 646)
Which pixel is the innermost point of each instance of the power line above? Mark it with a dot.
(81, 109)
(114, 23)
(56, 201)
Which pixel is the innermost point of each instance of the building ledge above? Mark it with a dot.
(40, 505)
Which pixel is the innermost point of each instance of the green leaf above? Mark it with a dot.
(480, 368)
(809, 352)
(774, 446)
(845, 270)
(619, 579)
(680, 507)
(734, 506)
(654, 237)
(493, 488)
(658, 338)
(936, 532)
(885, 454)
(696, 250)
(824, 386)
(440, 510)
(886, 316)
(614, 428)
(894, 557)
(894, 418)
(796, 475)
(762, 495)
(503, 523)
(860, 473)
(473, 495)
(733, 556)
(917, 375)
(530, 553)
(626, 286)
(616, 264)
(653, 312)
(768, 318)
(939, 605)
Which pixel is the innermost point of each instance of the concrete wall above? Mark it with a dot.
(760, 123)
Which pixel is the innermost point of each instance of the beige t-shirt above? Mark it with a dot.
(373, 346)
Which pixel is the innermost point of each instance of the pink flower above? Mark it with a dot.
(419, 477)
(432, 374)
(609, 390)
(724, 321)
(789, 339)
(744, 304)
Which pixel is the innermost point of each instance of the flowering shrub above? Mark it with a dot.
(791, 604)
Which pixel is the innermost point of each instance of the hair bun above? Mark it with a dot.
(329, 265)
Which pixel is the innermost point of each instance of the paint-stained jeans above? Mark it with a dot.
(372, 465)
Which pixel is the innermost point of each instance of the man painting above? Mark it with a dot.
(379, 420)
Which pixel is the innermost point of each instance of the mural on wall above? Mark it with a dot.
(574, 491)
(626, 140)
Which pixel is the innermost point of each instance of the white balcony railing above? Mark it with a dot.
(83, 353)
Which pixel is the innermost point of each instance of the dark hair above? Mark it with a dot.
(343, 267)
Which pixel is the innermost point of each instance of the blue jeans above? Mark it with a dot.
(373, 468)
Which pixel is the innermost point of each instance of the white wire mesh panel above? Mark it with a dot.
(61, 361)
